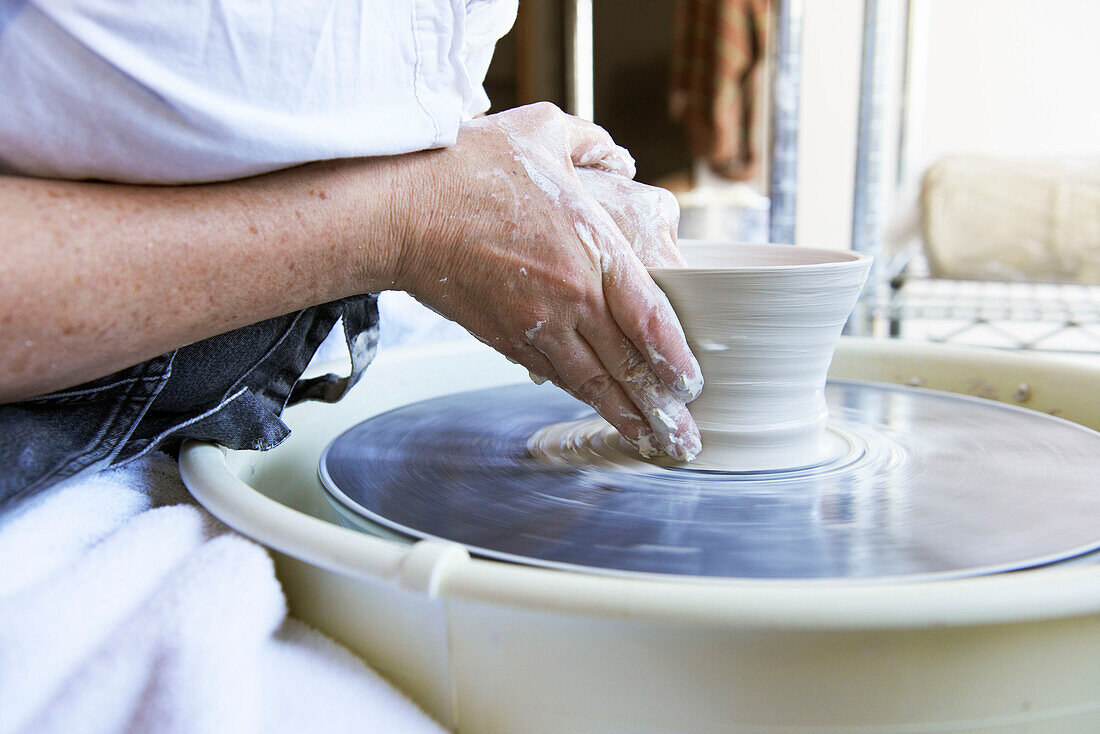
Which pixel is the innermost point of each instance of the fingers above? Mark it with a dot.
(520, 352)
(674, 430)
(586, 143)
(630, 365)
(594, 148)
(584, 376)
(573, 365)
(670, 205)
(646, 317)
(538, 366)
(647, 216)
(590, 146)
(631, 361)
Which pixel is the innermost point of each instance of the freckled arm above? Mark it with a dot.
(95, 277)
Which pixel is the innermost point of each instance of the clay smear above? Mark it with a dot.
(763, 321)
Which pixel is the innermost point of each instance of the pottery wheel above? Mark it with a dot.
(930, 485)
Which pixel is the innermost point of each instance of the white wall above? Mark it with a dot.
(1011, 77)
(827, 121)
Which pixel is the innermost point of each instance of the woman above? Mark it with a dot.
(191, 195)
(326, 156)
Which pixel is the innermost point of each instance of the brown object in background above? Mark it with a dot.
(717, 49)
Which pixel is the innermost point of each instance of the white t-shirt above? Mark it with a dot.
(185, 91)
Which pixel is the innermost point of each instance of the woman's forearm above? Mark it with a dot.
(97, 277)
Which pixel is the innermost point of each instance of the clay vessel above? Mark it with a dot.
(763, 321)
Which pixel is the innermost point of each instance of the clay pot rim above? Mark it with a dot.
(829, 259)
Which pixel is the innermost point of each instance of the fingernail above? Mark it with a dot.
(688, 386)
(619, 162)
(685, 447)
(681, 442)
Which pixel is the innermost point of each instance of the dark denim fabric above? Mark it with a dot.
(230, 389)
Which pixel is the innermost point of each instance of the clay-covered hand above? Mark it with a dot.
(501, 235)
(647, 216)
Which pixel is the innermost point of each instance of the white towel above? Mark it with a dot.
(125, 607)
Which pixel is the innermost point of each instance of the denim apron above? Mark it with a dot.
(230, 389)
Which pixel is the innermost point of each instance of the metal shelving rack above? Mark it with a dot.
(1018, 315)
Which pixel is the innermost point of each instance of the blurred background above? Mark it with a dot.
(956, 140)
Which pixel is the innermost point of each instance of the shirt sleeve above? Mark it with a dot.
(208, 90)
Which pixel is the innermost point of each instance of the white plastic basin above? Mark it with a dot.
(491, 647)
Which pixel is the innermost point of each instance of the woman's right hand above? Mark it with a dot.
(508, 233)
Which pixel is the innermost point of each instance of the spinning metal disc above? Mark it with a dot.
(931, 485)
